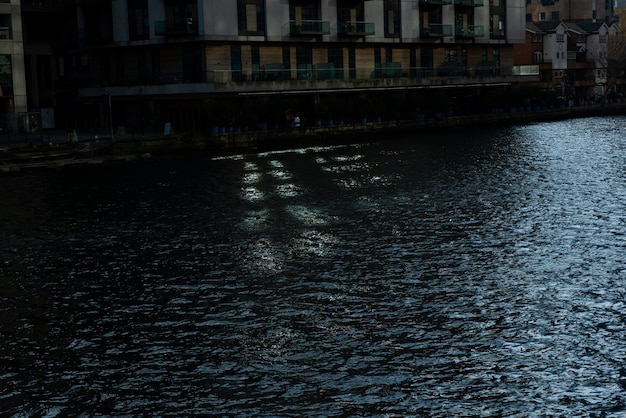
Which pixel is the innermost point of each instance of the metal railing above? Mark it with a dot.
(435, 30)
(311, 73)
(468, 3)
(469, 31)
(309, 27)
(355, 28)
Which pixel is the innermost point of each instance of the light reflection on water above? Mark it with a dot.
(463, 274)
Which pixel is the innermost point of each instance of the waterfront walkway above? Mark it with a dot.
(55, 148)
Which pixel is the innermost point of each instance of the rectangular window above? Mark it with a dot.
(142, 67)
(413, 62)
(182, 17)
(251, 17)
(138, 20)
(304, 62)
(192, 64)
(554, 16)
(542, 16)
(156, 64)
(560, 37)
(392, 18)
(352, 62)
(6, 75)
(303, 10)
(5, 26)
(335, 57)
(286, 58)
(377, 62)
(235, 62)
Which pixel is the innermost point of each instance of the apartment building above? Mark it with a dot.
(571, 10)
(571, 57)
(192, 63)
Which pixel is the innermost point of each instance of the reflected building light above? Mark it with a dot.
(251, 178)
(250, 166)
(256, 220)
(265, 257)
(280, 174)
(306, 215)
(313, 243)
(341, 158)
(252, 194)
(275, 164)
(288, 190)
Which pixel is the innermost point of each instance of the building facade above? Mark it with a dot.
(571, 58)
(13, 101)
(570, 10)
(194, 64)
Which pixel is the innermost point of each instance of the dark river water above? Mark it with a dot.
(467, 273)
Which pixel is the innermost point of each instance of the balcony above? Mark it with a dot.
(469, 31)
(468, 3)
(40, 5)
(355, 28)
(434, 2)
(435, 30)
(172, 29)
(309, 27)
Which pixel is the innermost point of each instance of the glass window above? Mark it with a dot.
(251, 17)
(392, 18)
(138, 19)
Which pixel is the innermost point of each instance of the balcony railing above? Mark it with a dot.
(434, 2)
(320, 72)
(435, 30)
(309, 27)
(469, 31)
(468, 3)
(356, 28)
(39, 5)
(186, 28)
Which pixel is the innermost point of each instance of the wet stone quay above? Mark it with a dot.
(474, 272)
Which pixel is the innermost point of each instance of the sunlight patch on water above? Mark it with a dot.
(306, 215)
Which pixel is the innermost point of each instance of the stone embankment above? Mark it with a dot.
(58, 153)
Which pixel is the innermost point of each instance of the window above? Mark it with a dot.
(6, 77)
(542, 16)
(537, 38)
(392, 18)
(537, 57)
(251, 17)
(560, 37)
(182, 17)
(555, 16)
(303, 10)
(138, 20)
(5, 27)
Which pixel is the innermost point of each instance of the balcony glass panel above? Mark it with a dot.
(434, 2)
(355, 28)
(436, 30)
(469, 31)
(469, 3)
(309, 27)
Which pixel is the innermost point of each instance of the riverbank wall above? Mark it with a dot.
(57, 150)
